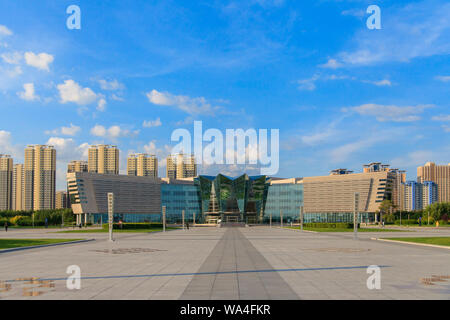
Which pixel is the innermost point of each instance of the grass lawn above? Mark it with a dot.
(16, 243)
(35, 227)
(346, 229)
(442, 241)
(115, 230)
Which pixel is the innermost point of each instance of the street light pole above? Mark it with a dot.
(110, 215)
(355, 215)
(164, 218)
(281, 218)
(301, 218)
(270, 219)
(182, 218)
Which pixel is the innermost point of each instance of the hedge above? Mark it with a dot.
(408, 221)
(337, 225)
(134, 225)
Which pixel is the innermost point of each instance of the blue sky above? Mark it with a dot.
(340, 94)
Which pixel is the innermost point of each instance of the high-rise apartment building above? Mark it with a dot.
(61, 200)
(103, 159)
(412, 196)
(39, 177)
(439, 174)
(179, 166)
(142, 165)
(77, 166)
(6, 177)
(429, 193)
(17, 187)
(417, 196)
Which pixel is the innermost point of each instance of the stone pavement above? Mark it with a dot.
(226, 263)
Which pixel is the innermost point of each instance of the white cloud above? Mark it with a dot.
(12, 57)
(446, 128)
(319, 137)
(28, 94)
(152, 123)
(380, 83)
(335, 77)
(116, 97)
(414, 159)
(389, 112)
(347, 151)
(98, 131)
(40, 61)
(4, 31)
(6, 146)
(112, 132)
(72, 130)
(186, 121)
(101, 105)
(70, 91)
(187, 104)
(308, 84)
(419, 29)
(441, 117)
(354, 12)
(110, 85)
(331, 64)
(443, 78)
(6, 73)
(67, 149)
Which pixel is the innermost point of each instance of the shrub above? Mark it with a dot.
(406, 221)
(14, 219)
(339, 225)
(134, 225)
(13, 213)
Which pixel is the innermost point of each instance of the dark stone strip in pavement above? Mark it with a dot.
(219, 276)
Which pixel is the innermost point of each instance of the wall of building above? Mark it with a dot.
(335, 193)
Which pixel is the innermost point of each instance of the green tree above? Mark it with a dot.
(385, 208)
(437, 210)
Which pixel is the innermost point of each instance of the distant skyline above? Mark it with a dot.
(340, 94)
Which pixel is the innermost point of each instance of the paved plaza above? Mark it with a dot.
(226, 263)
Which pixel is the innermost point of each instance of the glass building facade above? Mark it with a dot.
(179, 197)
(232, 199)
(285, 200)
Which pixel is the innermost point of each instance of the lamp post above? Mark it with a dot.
(110, 215)
(270, 220)
(355, 215)
(182, 218)
(281, 219)
(164, 218)
(193, 220)
(301, 218)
